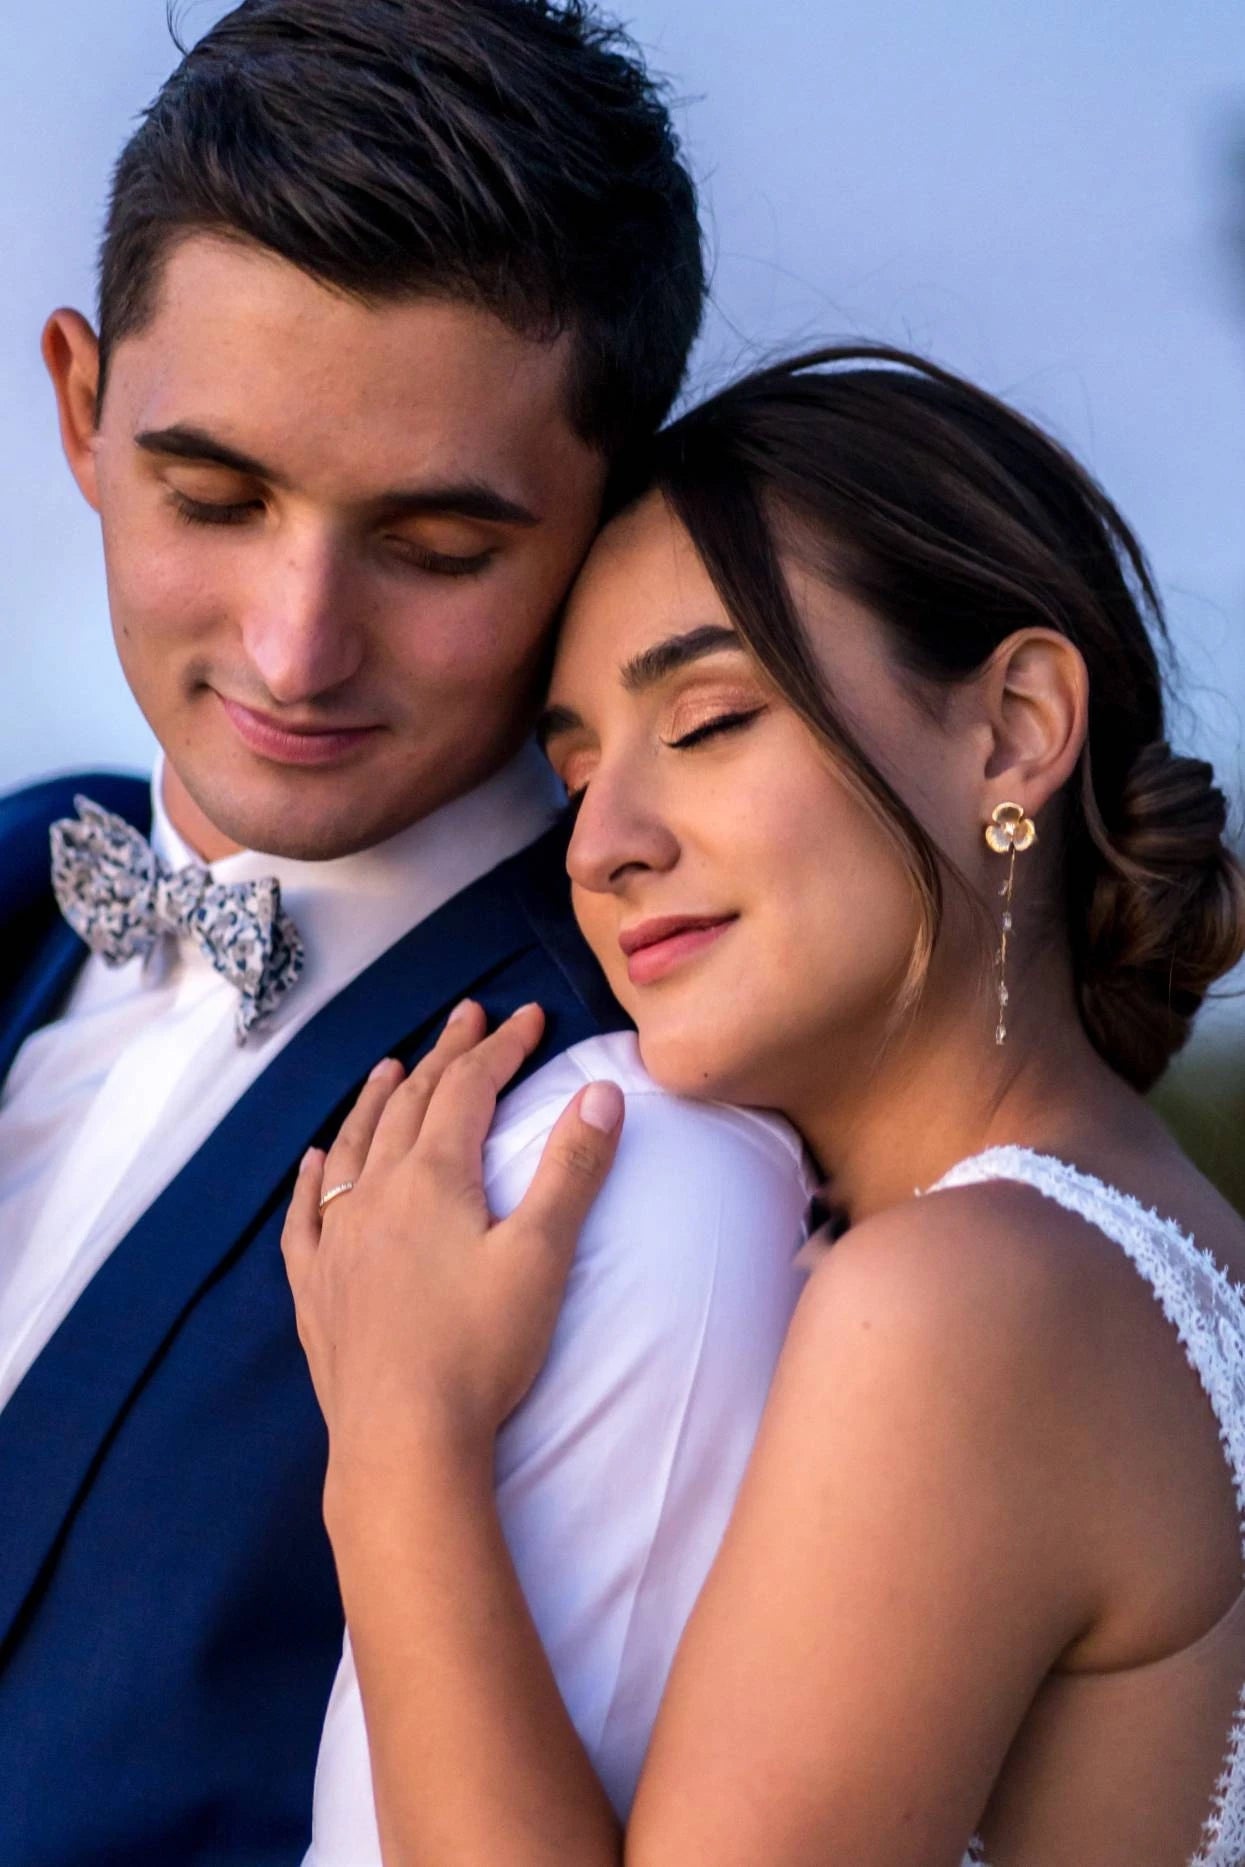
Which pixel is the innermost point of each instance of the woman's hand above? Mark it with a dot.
(420, 1316)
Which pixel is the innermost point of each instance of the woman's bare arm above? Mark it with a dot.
(474, 1758)
(903, 1566)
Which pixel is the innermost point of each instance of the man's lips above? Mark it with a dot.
(289, 744)
(655, 946)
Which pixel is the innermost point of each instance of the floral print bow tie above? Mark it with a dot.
(118, 895)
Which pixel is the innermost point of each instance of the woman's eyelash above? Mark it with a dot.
(724, 723)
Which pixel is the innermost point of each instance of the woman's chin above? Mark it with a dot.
(684, 1063)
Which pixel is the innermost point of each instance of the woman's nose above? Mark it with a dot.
(619, 832)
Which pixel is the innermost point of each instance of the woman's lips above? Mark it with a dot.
(655, 947)
(292, 746)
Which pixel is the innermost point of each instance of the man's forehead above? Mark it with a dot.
(242, 338)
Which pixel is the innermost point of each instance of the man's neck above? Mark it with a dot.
(196, 830)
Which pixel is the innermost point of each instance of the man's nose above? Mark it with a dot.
(620, 832)
(301, 626)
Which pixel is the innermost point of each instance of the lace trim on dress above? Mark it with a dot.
(1207, 1311)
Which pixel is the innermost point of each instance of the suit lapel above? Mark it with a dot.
(69, 1403)
(42, 987)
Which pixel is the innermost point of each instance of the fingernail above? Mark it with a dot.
(307, 1159)
(382, 1068)
(459, 1013)
(525, 1008)
(602, 1106)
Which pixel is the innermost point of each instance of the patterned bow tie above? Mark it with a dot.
(121, 898)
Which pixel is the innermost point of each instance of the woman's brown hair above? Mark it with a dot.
(957, 522)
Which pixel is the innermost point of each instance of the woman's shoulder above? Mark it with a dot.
(939, 1368)
(990, 1291)
(994, 1251)
(1017, 1336)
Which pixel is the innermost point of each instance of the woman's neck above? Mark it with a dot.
(945, 1090)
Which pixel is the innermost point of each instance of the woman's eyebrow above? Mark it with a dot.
(653, 664)
(645, 670)
(553, 722)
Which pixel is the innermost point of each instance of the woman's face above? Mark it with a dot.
(749, 912)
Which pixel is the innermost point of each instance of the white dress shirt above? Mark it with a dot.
(616, 1476)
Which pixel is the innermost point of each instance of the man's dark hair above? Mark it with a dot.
(513, 154)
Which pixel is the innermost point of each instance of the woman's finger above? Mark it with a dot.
(348, 1155)
(403, 1114)
(300, 1235)
(578, 1155)
(464, 1101)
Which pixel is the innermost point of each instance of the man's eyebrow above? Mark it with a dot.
(646, 669)
(654, 664)
(185, 443)
(468, 499)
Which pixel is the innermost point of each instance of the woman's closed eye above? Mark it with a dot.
(732, 721)
(685, 740)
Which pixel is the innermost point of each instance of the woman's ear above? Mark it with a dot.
(71, 354)
(1035, 696)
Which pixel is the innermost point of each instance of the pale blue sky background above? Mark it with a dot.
(1038, 196)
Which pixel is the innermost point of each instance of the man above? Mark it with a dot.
(386, 289)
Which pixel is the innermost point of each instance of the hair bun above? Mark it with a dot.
(1166, 915)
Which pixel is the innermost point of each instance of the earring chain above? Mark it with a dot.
(1000, 1029)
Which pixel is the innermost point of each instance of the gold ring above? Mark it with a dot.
(335, 1192)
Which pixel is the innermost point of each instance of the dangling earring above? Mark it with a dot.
(1007, 832)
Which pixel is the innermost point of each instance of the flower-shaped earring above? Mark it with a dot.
(1008, 831)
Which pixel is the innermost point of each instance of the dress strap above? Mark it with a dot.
(1207, 1311)
(1202, 1304)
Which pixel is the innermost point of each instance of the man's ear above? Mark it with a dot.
(1035, 694)
(71, 354)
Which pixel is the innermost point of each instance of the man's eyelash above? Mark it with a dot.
(200, 512)
(442, 564)
(724, 723)
(438, 563)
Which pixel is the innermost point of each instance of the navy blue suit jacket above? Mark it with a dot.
(169, 1619)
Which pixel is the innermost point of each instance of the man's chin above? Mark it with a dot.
(313, 843)
(342, 820)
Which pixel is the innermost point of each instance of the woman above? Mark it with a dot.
(876, 826)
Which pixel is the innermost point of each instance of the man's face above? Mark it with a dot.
(335, 535)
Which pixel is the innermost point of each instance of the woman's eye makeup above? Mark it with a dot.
(727, 720)
(733, 719)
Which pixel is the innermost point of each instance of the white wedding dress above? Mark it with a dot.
(1201, 1689)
